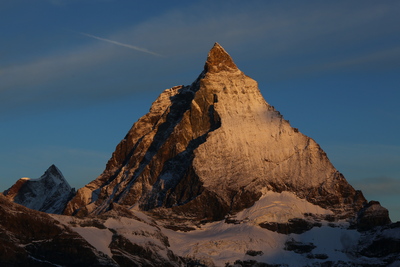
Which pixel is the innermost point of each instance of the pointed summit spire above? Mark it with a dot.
(219, 60)
(53, 170)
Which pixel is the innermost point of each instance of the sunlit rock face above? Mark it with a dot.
(209, 149)
(50, 193)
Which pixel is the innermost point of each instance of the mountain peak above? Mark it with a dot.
(219, 60)
(49, 193)
(55, 172)
(215, 141)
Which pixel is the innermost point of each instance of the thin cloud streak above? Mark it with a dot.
(121, 44)
(383, 185)
(276, 38)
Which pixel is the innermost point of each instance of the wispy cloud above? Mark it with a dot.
(385, 58)
(144, 50)
(382, 185)
(277, 40)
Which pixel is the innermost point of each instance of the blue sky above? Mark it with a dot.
(76, 74)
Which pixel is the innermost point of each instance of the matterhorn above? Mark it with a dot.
(211, 149)
(212, 175)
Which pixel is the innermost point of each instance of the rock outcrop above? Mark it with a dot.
(372, 215)
(209, 149)
(33, 238)
(50, 193)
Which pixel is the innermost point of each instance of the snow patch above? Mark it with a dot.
(279, 207)
(220, 242)
(98, 238)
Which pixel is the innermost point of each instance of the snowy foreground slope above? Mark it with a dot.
(241, 240)
(33, 238)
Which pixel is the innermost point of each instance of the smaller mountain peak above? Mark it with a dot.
(219, 60)
(54, 170)
(53, 166)
(49, 193)
(55, 175)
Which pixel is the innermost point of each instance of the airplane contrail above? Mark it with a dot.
(121, 44)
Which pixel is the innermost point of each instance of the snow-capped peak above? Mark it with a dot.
(49, 193)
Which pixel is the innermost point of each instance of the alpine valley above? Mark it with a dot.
(212, 176)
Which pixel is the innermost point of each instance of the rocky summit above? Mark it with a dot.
(212, 176)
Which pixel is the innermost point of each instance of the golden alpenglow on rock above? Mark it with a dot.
(211, 149)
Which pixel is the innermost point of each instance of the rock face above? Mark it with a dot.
(50, 193)
(33, 238)
(208, 150)
(373, 214)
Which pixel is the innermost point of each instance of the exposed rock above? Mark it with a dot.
(382, 247)
(50, 193)
(127, 253)
(381, 242)
(218, 60)
(253, 263)
(299, 247)
(254, 253)
(33, 238)
(296, 226)
(372, 215)
(317, 256)
(208, 150)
